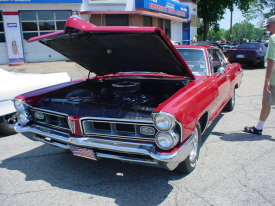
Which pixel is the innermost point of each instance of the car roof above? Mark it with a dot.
(196, 46)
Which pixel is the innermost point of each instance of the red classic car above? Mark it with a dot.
(142, 105)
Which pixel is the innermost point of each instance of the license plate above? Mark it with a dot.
(83, 152)
(240, 56)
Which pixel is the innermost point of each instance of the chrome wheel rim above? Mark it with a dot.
(194, 152)
(233, 100)
(10, 120)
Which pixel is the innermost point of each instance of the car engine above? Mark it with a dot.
(101, 98)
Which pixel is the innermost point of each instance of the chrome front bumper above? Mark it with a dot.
(142, 153)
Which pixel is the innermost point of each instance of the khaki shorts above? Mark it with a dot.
(269, 98)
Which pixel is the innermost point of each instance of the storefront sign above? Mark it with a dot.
(39, 1)
(11, 25)
(13, 37)
(165, 6)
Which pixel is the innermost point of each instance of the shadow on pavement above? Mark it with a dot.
(209, 130)
(233, 137)
(128, 184)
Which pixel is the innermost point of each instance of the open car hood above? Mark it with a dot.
(111, 49)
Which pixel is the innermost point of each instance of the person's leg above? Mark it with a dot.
(268, 100)
(264, 111)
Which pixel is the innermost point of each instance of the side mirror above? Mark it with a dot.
(221, 70)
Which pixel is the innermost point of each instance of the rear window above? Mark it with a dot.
(249, 46)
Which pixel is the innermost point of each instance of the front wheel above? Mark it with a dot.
(189, 164)
(7, 123)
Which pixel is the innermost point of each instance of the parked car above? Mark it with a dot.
(209, 43)
(12, 84)
(226, 47)
(248, 53)
(143, 106)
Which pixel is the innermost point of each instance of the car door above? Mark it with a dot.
(221, 77)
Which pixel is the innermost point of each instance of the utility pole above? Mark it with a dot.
(231, 11)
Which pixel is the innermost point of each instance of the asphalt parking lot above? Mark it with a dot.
(234, 168)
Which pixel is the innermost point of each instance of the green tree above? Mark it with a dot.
(256, 11)
(212, 11)
(242, 30)
(271, 4)
(216, 35)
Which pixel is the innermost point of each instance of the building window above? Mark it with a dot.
(2, 34)
(160, 23)
(42, 22)
(147, 21)
(167, 27)
(185, 25)
(117, 20)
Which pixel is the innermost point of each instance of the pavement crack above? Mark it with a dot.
(254, 190)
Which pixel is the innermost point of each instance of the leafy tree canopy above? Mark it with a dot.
(212, 11)
(242, 30)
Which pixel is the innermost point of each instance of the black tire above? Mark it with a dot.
(262, 64)
(189, 164)
(7, 123)
(230, 104)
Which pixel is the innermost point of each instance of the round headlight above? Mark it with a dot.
(166, 140)
(23, 117)
(19, 104)
(163, 122)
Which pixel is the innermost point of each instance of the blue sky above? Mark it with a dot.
(237, 18)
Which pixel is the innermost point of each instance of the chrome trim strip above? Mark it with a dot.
(152, 139)
(43, 131)
(64, 146)
(5, 100)
(52, 125)
(128, 159)
(114, 120)
(71, 126)
(50, 112)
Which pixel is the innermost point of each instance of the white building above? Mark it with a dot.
(22, 19)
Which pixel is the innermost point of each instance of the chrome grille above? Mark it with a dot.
(116, 128)
(49, 118)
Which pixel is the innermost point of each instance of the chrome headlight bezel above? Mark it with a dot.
(19, 104)
(164, 122)
(166, 141)
(23, 117)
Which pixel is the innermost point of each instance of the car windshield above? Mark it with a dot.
(249, 46)
(195, 59)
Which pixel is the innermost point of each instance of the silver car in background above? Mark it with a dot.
(12, 84)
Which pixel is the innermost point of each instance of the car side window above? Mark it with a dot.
(222, 58)
(216, 60)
